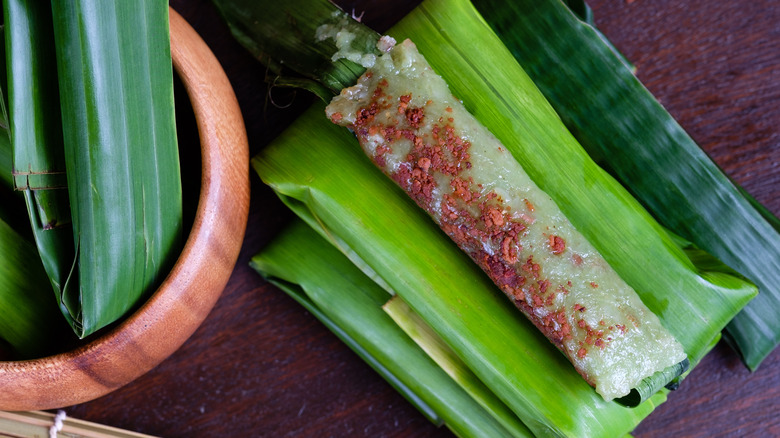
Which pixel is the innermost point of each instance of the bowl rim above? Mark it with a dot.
(186, 296)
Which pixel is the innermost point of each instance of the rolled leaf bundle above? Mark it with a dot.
(408, 122)
(35, 128)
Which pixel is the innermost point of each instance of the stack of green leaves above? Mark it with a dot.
(36, 134)
(318, 170)
(92, 127)
(29, 313)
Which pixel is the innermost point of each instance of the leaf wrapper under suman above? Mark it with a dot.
(618, 121)
(321, 174)
(116, 94)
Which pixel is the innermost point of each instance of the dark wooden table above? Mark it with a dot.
(262, 366)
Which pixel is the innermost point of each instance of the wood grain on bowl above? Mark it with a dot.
(200, 274)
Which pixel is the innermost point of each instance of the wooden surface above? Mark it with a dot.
(262, 366)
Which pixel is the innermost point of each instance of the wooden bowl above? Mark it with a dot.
(197, 279)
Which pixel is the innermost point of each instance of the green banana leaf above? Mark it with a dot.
(6, 153)
(28, 324)
(617, 120)
(324, 281)
(116, 96)
(35, 129)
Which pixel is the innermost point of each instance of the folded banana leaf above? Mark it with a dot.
(616, 119)
(6, 153)
(29, 317)
(116, 94)
(318, 276)
(36, 136)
